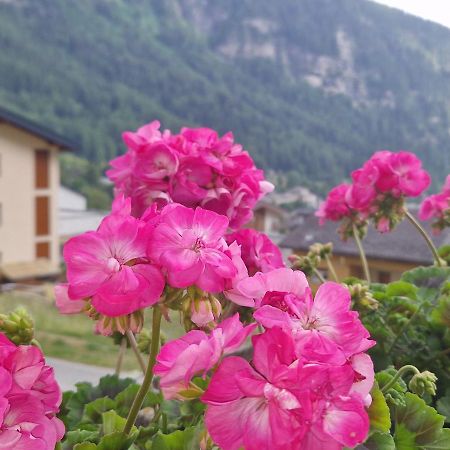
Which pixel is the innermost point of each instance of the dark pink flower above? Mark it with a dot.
(258, 252)
(437, 207)
(335, 207)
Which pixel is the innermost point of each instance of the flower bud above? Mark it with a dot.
(18, 326)
(205, 310)
(423, 383)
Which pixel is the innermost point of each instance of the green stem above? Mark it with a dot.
(318, 275)
(361, 254)
(402, 371)
(146, 383)
(123, 346)
(134, 347)
(427, 238)
(331, 268)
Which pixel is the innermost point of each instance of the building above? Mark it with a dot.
(270, 219)
(73, 215)
(388, 255)
(29, 184)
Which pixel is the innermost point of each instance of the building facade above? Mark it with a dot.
(29, 183)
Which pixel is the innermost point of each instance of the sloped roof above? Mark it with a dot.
(404, 244)
(32, 127)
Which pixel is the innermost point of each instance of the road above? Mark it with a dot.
(69, 373)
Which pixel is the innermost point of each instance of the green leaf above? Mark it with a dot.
(117, 441)
(429, 280)
(401, 289)
(112, 422)
(378, 441)
(443, 406)
(93, 411)
(441, 314)
(379, 415)
(85, 446)
(418, 426)
(396, 393)
(79, 436)
(178, 440)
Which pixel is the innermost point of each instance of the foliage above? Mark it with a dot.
(111, 65)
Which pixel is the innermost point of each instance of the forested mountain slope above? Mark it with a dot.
(310, 87)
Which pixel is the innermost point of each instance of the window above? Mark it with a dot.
(357, 271)
(41, 166)
(43, 250)
(42, 205)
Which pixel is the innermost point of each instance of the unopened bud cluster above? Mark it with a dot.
(18, 326)
(316, 254)
(423, 383)
(361, 296)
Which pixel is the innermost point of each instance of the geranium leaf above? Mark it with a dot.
(379, 415)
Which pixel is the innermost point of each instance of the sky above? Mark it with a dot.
(435, 10)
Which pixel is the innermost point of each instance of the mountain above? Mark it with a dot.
(310, 87)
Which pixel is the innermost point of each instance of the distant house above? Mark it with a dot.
(268, 218)
(388, 255)
(73, 215)
(29, 184)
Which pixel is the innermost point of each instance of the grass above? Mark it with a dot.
(72, 337)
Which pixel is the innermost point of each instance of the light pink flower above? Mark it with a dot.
(64, 303)
(205, 311)
(255, 407)
(189, 244)
(110, 266)
(258, 252)
(325, 323)
(196, 352)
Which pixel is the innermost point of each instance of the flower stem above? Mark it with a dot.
(318, 275)
(402, 371)
(122, 348)
(424, 234)
(331, 268)
(361, 254)
(134, 347)
(146, 383)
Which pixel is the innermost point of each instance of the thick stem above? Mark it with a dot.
(123, 346)
(427, 238)
(318, 275)
(402, 371)
(331, 268)
(146, 383)
(361, 254)
(134, 347)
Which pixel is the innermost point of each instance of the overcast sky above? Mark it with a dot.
(435, 10)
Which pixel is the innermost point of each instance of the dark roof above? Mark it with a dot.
(403, 244)
(34, 128)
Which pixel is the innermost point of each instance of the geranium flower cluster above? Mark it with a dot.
(308, 384)
(194, 168)
(377, 192)
(437, 207)
(115, 272)
(29, 399)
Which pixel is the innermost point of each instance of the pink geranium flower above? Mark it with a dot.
(335, 207)
(196, 352)
(283, 401)
(255, 407)
(437, 207)
(110, 265)
(325, 324)
(194, 168)
(258, 252)
(29, 399)
(189, 244)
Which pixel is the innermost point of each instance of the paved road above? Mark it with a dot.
(68, 373)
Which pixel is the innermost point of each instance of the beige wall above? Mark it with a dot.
(17, 196)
